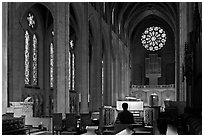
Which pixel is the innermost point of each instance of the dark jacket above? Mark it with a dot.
(125, 117)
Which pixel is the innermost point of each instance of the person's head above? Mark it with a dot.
(125, 106)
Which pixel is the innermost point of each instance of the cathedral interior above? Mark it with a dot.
(67, 68)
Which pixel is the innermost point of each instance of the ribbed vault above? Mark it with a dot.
(130, 14)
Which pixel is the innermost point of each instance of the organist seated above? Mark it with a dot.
(125, 116)
(124, 119)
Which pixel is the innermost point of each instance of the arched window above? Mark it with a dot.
(153, 38)
(31, 51)
(71, 66)
(102, 80)
(52, 62)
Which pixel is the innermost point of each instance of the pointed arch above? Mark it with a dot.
(37, 25)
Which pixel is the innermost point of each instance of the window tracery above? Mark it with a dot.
(31, 52)
(153, 38)
(31, 20)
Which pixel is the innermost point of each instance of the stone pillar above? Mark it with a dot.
(119, 69)
(107, 78)
(116, 79)
(126, 71)
(129, 72)
(61, 28)
(183, 39)
(116, 69)
(112, 81)
(95, 73)
(15, 48)
(177, 62)
(124, 79)
(83, 58)
(4, 56)
(122, 74)
(119, 82)
(96, 67)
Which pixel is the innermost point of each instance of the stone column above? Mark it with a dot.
(177, 61)
(116, 68)
(119, 69)
(183, 39)
(126, 74)
(122, 83)
(95, 73)
(83, 85)
(61, 28)
(119, 83)
(116, 79)
(107, 78)
(96, 67)
(4, 56)
(112, 81)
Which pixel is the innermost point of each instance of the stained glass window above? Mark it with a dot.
(31, 52)
(52, 63)
(71, 66)
(69, 71)
(73, 71)
(153, 38)
(102, 75)
(27, 58)
(35, 60)
(31, 20)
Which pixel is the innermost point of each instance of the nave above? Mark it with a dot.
(69, 66)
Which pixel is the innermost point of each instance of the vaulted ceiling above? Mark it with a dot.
(130, 14)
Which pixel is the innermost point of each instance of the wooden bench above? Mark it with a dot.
(13, 126)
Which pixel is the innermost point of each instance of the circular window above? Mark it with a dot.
(153, 38)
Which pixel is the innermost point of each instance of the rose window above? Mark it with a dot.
(153, 38)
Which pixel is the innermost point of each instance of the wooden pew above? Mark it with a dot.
(71, 122)
(57, 123)
(85, 120)
(108, 115)
(13, 126)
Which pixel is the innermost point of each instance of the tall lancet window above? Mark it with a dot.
(35, 60)
(102, 76)
(69, 71)
(71, 66)
(52, 62)
(31, 52)
(27, 58)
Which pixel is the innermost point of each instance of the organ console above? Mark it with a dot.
(135, 107)
(144, 117)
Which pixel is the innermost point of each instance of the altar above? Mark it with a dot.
(21, 108)
(143, 93)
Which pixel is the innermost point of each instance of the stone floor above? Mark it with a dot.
(171, 130)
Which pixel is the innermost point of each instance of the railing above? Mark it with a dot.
(153, 86)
